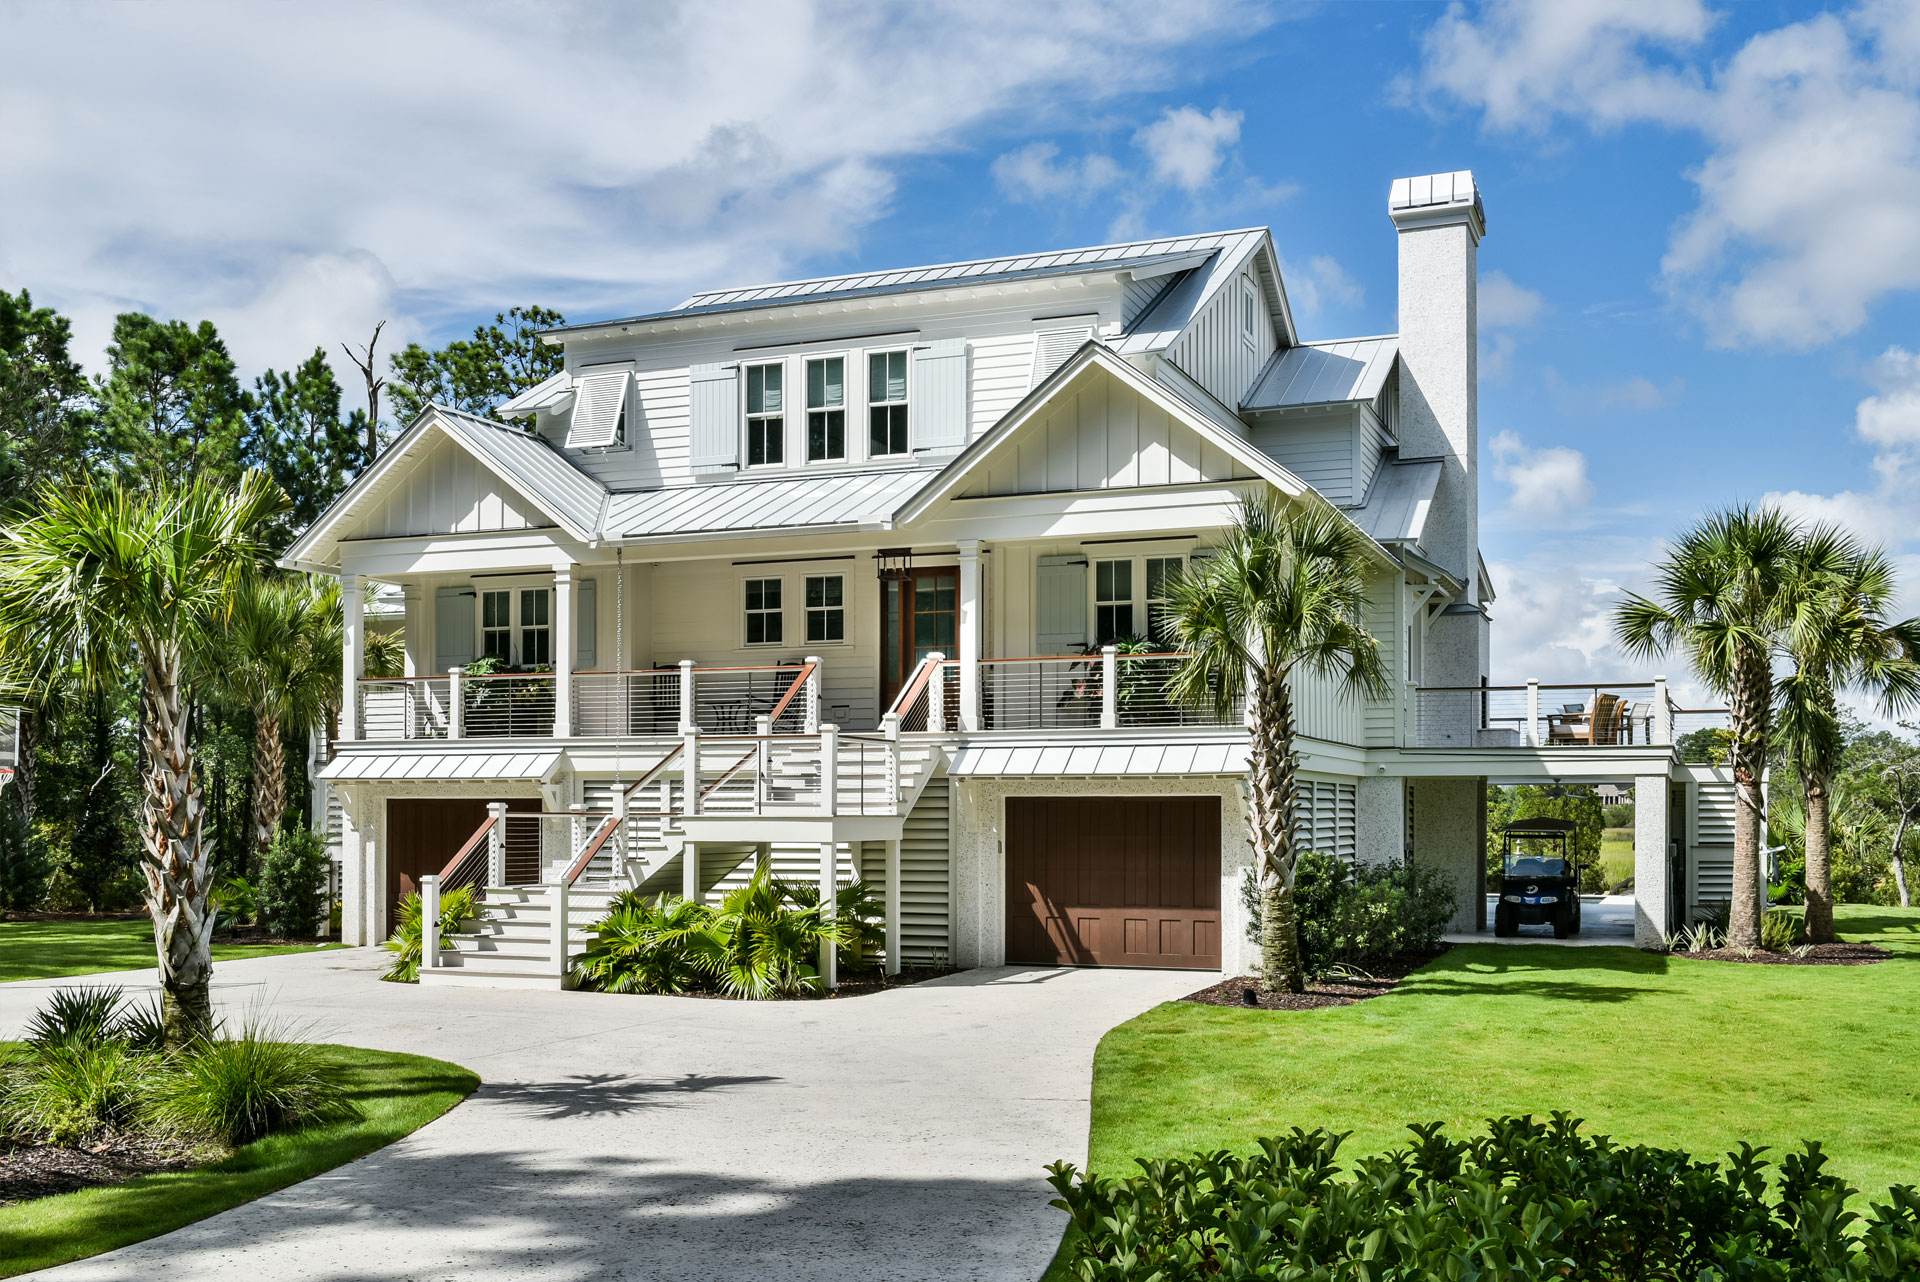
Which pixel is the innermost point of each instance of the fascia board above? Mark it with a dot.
(307, 549)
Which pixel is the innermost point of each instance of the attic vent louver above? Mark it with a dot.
(1052, 347)
(599, 405)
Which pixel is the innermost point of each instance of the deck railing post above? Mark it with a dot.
(1109, 687)
(890, 727)
(497, 844)
(575, 841)
(1533, 712)
(620, 803)
(686, 694)
(829, 767)
(456, 703)
(690, 768)
(557, 899)
(937, 693)
(1662, 727)
(762, 760)
(811, 721)
(430, 922)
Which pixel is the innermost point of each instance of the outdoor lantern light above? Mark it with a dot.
(896, 564)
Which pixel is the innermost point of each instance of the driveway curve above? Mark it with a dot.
(894, 1136)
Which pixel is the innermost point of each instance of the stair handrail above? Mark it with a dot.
(733, 769)
(658, 766)
(916, 684)
(451, 877)
(799, 684)
(593, 847)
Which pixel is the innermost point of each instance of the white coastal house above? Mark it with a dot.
(826, 573)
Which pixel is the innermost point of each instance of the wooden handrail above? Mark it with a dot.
(799, 682)
(728, 773)
(479, 836)
(658, 766)
(593, 848)
(911, 691)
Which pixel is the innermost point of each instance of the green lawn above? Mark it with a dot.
(1646, 1048)
(1616, 853)
(396, 1094)
(52, 949)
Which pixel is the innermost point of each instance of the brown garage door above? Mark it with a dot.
(424, 832)
(1114, 881)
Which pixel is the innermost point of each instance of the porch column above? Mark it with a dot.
(352, 654)
(1651, 833)
(893, 908)
(969, 629)
(1660, 729)
(690, 871)
(416, 633)
(563, 653)
(829, 890)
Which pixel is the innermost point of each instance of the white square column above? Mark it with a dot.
(968, 625)
(415, 635)
(830, 907)
(894, 933)
(1652, 885)
(562, 653)
(353, 650)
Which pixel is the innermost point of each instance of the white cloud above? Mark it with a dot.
(1809, 196)
(1503, 310)
(1890, 421)
(569, 154)
(1891, 417)
(1035, 174)
(1319, 286)
(1186, 146)
(1636, 393)
(1547, 482)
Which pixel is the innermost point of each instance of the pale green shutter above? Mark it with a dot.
(713, 411)
(585, 620)
(452, 628)
(1060, 604)
(939, 408)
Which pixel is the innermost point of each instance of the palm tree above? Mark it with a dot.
(1725, 595)
(102, 577)
(281, 657)
(1284, 592)
(1839, 637)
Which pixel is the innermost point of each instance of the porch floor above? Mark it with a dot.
(1605, 921)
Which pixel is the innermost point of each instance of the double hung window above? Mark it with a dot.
(886, 403)
(516, 626)
(496, 625)
(766, 422)
(1112, 600)
(765, 622)
(536, 627)
(826, 409)
(826, 608)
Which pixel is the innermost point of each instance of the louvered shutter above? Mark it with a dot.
(1052, 347)
(586, 618)
(938, 417)
(599, 404)
(714, 416)
(1060, 605)
(452, 628)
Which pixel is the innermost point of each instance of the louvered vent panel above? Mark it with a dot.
(1052, 347)
(1326, 818)
(599, 410)
(1715, 877)
(925, 896)
(1716, 814)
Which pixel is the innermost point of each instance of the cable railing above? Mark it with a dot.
(1143, 695)
(1041, 693)
(508, 704)
(403, 707)
(1538, 715)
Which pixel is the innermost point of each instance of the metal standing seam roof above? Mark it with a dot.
(363, 767)
(788, 502)
(1346, 369)
(1064, 262)
(572, 497)
(1187, 757)
(1398, 501)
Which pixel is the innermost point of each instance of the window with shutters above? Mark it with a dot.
(765, 623)
(766, 421)
(536, 627)
(496, 625)
(826, 608)
(886, 403)
(826, 409)
(599, 418)
(1112, 600)
(1161, 571)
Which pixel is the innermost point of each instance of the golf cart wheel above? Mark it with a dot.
(1563, 923)
(1503, 921)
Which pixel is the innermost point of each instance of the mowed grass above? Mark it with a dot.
(53, 949)
(396, 1094)
(1649, 1049)
(1616, 854)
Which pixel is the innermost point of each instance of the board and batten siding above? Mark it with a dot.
(1100, 434)
(449, 491)
(1322, 710)
(1214, 349)
(1383, 617)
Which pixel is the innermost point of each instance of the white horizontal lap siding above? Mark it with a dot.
(925, 879)
(1139, 295)
(1001, 367)
(1317, 448)
(450, 492)
(1323, 710)
(1370, 439)
(1214, 351)
(656, 436)
(1100, 434)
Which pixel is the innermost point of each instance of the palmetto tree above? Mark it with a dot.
(1839, 637)
(102, 577)
(281, 657)
(1725, 595)
(1284, 593)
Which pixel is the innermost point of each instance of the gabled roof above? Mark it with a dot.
(1176, 310)
(1342, 369)
(1147, 257)
(841, 500)
(533, 468)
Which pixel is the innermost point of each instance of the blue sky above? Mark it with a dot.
(1698, 284)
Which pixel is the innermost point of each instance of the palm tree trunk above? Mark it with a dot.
(26, 761)
(1752, 702)
(1899, 864)
(1819, 913)
(175, 854)
(1270, 769)
(269, 779)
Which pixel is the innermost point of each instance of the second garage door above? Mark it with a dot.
(1114, 881)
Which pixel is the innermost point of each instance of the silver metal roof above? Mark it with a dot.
(1132, 255)
(366, 766)
(1398, 501)
(1345, 369)
(1221, 756)
(573, 498)
(846, 498)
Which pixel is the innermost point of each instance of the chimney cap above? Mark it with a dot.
(1437, 200)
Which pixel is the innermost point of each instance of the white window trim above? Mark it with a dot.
(1138, 600)
(1249, 314)
(906, 400)
(845, 607)
(849, 452)
(786, 417)
(513, 586)
(740, 599)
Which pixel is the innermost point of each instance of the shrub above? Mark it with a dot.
(238, 1090)
(638, 947)
(1782, 932)
(24, 866)
(860, 912)
(1529, 1200)
(75, 1091)
(293, 882)
(1360, 916)
(235, 903)
(456, 907)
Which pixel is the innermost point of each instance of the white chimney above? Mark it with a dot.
(1440, 220)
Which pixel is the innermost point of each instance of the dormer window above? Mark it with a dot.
(766, 421)
(1249, 312)
(826, 409)
(599, 410)
(886, 403)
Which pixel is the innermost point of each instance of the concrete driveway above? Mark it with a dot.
(896, 1136)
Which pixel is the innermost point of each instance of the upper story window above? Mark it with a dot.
(523, 614)
(766, 422)
(826, 409)
(887, 403)
(826, 607)
(496, 625)
(1249, 312)
(1161, 571)
(1112, 600)
(536, 627)
(765, 622)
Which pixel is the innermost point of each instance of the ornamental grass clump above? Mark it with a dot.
(74, 1093)
(1528, 1200)
(235, 1091)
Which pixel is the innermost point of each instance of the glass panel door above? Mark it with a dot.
(919, 615)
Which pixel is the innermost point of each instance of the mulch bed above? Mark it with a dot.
(256, 937)
(44, 1170)
(1384, 977)
(855, 983)
(1840, 954)
(23, 915)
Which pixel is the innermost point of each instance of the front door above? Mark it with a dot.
(918, 615)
